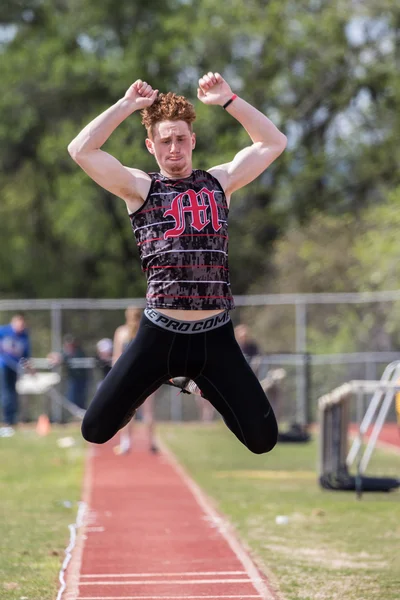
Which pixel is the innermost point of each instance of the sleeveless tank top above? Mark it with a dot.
(182, 235)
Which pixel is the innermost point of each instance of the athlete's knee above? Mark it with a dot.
(91, 432)
(262, 445)
(263, 439)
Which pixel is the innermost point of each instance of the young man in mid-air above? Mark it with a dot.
(179, 218)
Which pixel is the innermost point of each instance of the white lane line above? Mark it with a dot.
(240, 597)
(187, 574)
(262, 587)
(169, 582)
(73, 572)
(73, 529)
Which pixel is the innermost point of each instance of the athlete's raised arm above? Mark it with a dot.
(130, 184)
(268, 141)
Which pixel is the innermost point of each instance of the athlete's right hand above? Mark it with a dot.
(141, 94)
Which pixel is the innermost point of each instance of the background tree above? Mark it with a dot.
(326, 73)
(336, 253)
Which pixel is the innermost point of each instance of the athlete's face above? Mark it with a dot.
(172, 146)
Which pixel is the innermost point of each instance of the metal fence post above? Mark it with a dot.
(56, 345)
(176, 408)
(56, 327)
(301, 368)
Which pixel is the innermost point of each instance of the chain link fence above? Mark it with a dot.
(282, 325)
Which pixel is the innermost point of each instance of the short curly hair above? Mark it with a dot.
(168, 107)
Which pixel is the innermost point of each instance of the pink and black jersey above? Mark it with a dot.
(182, 235)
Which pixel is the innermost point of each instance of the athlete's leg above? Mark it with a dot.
(125, 439)
(231, 386)
(9, 395)
(140, 370)
(149, 421)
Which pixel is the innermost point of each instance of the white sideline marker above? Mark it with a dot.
(171, 582)
(187, 574)
(240, 597)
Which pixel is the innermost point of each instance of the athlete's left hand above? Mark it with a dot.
(213, 89)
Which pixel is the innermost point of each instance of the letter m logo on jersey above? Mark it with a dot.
(202, 207)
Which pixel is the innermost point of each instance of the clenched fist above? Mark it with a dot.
(213, 89)
(141, 93)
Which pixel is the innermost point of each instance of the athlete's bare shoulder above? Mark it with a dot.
(220, 174)
(134, 196)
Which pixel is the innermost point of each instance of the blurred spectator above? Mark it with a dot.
(14, 350)
(272, 382)
(249, 347)
(206, 409)
(104, 350)
(124, 334)
(76, 376)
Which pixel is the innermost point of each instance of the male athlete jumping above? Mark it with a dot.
(179, 218)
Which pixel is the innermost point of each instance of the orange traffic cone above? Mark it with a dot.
(43, 425)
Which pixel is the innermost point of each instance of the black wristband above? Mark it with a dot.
(229, 101)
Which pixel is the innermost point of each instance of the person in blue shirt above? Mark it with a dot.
(14, 349)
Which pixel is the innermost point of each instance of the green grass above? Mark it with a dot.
(40, 485)
(334, 546)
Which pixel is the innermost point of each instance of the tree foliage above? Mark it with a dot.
(338, 253)
(326, 73)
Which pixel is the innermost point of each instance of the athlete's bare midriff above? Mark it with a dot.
(188, 315)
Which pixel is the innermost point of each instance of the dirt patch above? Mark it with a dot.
(326, 585)
(330, 559)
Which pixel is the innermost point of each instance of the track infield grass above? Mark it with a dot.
(333, 546)
(40, 486)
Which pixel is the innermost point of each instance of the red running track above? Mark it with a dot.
(390, 434)
(388, 437)
(151, 533)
